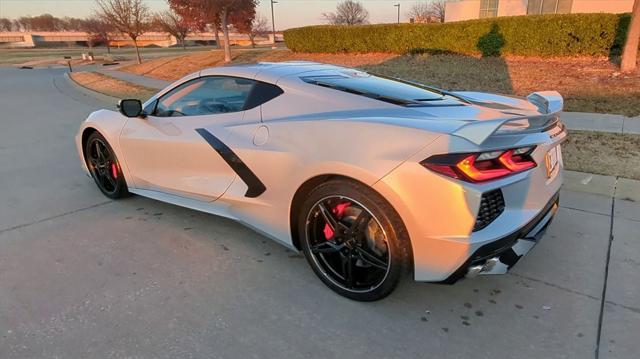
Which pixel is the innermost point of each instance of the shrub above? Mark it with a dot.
(533, 35)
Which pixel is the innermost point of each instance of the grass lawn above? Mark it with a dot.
(603, 153)
(587, 84)
(111, 86)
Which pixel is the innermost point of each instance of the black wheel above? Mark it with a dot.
(354, 240)
(104, 167)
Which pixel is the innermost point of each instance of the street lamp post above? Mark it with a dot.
(398, 6)
(273, 24)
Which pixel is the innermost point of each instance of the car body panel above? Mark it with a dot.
(313, 132)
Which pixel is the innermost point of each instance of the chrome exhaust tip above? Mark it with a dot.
(473, 271)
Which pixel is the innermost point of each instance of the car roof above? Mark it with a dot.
(269, 71)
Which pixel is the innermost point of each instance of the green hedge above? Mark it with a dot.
(539, 35)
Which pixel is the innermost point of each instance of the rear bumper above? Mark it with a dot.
(499, 256)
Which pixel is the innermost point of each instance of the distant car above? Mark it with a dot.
(370, 176)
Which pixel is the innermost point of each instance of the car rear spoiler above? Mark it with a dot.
(549, 104)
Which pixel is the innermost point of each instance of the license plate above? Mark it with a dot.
(551, 159)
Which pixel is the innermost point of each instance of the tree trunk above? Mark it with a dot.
(135, 43)
(217, 36)
(108, 47)
(225, 32)
(184, 44)
(630, 52)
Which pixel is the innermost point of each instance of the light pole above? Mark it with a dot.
(273, 24)
(398, 6)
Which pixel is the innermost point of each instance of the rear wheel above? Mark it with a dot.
(354, 240)
(104, 167)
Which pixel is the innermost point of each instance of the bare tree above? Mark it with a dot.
(630, 52)
(420, 12)
(72, 23)
(129, 17)
(174, 24)
(98, 30)
(348, 12)
(258, 27)
(438, 8)
(24, 23)
(426, 12)
(5, 24)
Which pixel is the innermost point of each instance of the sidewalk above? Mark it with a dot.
(573, 120)
(601, 122)
(145, 81)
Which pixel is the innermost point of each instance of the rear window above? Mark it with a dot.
(378, 87)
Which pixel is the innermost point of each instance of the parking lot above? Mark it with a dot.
(82, 276)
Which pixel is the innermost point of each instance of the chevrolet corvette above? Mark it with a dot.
(371, 177)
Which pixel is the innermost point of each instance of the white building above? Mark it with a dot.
(457, 10)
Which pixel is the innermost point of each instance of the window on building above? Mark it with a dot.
(488, 8)
(535, 7)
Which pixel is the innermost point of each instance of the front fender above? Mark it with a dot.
(109, 124)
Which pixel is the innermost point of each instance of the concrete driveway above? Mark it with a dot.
(85, 277)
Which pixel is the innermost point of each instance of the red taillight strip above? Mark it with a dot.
(468, 168)
(509, 161)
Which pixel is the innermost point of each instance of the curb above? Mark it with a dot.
(601, 122)
(88, 92)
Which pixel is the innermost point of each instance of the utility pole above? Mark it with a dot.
(273, 24)
(398, 6)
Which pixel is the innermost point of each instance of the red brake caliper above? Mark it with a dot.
(338, 211)
(114, 170)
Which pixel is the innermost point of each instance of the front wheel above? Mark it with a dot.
(104, 167)
(354, 240)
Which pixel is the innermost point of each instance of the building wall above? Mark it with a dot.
(470, 9)
(512, 7)
(611, 6)
(461, 10)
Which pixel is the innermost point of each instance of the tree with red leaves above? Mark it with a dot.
(218, 13)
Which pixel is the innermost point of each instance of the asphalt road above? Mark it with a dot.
(85, 277)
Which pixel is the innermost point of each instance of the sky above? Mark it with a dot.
(288, 13)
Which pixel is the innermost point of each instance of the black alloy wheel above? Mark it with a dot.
(352, 245)
(104, 167)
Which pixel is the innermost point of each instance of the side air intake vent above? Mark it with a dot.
(491, 206)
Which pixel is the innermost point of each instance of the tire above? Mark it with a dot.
(367, 255)
(104, 167)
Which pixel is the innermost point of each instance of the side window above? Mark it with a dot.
(262, 93)
(205, 96)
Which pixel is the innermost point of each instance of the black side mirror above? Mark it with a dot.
(131, 108)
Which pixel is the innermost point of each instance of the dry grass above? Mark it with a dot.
(588, 84)
(173, 68)
(603, 153)
(110, 86)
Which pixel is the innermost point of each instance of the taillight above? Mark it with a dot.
(484, 166)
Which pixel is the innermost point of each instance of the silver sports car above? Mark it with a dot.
(371, 177)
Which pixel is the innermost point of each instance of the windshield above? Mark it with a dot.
(378, 87)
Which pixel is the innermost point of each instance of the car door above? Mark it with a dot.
(173, 149)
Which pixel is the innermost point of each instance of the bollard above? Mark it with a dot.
(68, 58)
